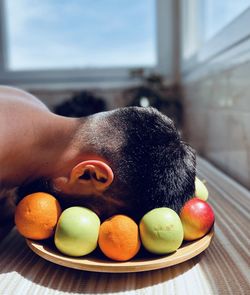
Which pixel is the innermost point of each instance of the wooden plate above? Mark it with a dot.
(144, 261)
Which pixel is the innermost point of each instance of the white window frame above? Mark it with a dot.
(121, 76)
(233, 39)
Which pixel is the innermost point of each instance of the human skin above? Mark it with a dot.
(37, 144)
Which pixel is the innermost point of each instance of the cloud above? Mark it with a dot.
(70, 34)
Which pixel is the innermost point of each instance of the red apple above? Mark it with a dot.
(197, 218)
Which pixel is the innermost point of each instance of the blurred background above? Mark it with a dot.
(188, 58)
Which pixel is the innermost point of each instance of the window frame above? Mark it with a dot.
(230, 40)
(109, 76)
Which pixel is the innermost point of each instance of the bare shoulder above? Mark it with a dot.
(11, 94)
(18, 115)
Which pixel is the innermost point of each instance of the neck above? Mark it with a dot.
(55, 149)
(46, 152)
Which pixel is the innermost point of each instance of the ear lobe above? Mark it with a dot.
(60, 183)
(92, 173)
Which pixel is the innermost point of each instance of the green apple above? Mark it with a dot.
(201, 191)
(77, 231)
(161, 231)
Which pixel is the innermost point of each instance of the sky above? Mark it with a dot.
(69, 34)
(216, 14)
(45, 34)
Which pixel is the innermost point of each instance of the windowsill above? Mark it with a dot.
(230, 58)
(60, 86)
(221, 269)
(230, 47)
(72, 79)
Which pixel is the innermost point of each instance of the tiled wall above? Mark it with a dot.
(217, 119)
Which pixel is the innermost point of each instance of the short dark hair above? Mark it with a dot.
(153, 167)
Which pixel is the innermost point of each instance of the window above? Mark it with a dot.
(75, 34)
(85, 43)
(210, 27)
(218, 14)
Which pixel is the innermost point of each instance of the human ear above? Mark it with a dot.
(92, 176)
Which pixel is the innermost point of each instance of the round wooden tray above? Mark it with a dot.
(144, 261)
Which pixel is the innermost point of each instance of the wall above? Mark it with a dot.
(217, 118)
(164, 97)
(112, 96)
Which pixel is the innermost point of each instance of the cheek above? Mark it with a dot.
(62, 187)
(70, 199)
(103, 205)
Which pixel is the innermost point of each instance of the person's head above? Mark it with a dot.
(131, 160)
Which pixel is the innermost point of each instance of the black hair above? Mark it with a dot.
(153, 167)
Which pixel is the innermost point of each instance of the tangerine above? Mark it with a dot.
(119, 238)
(36, 215)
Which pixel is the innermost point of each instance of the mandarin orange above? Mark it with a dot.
(119, 238)
(36, 215)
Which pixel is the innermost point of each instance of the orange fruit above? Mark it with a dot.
(119, 238)
(36, 216)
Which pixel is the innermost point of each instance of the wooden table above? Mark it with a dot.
(222, 269)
